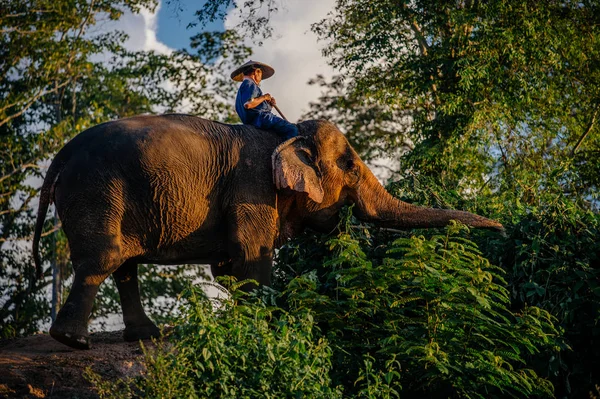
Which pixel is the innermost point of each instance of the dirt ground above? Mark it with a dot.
(40, 367)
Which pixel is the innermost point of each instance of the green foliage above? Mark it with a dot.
(472, 90)
(428, 315)
(230, 348)
(551, 258)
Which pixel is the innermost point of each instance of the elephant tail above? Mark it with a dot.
(46, 196)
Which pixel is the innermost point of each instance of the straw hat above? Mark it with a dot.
(238, 74)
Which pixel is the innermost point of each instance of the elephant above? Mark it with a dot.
(179, 189)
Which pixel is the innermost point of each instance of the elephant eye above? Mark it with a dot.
(350, 164)
(351, 177)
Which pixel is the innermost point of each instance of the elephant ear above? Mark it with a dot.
(294, 168)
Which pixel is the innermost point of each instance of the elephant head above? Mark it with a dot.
(325, 173)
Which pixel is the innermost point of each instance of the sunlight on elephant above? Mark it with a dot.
(177, 189)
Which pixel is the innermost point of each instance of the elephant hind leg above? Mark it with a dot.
(70, 326)
(137, 324)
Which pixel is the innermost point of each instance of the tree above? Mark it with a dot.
(489, 87)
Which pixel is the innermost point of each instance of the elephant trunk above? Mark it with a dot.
(378, 206)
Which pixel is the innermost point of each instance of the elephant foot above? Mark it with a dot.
(134, 333)
(74, 340)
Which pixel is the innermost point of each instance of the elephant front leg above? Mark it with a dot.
(219, 269)
(137, 324)
(252, 262)
(252, 237)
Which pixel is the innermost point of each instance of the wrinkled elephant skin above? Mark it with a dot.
(177, 189)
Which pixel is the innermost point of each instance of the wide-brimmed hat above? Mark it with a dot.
(238, 74)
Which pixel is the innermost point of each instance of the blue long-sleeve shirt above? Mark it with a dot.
(247, 91)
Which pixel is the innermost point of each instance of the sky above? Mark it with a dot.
(293, 51)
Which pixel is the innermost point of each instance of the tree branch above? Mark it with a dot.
(21, 208)
(587, 131)
(28, 165)
(31, 102)
(414, 26)
(420, 38)
(28, 238)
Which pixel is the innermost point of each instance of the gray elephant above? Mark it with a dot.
(178, 189)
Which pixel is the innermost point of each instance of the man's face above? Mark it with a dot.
(257, 76)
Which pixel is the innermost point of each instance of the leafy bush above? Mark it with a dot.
(233, 350)
(430, 316)
(552, 257)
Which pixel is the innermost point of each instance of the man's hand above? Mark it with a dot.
(269, 98)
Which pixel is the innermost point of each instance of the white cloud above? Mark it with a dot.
(294, 53)
(150, 29)
(141, 29)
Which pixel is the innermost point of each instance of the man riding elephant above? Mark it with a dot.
(254, 107)
(178, 189)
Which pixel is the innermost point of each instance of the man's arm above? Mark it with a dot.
(255, 102)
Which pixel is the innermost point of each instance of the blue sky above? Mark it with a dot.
(173, 19)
